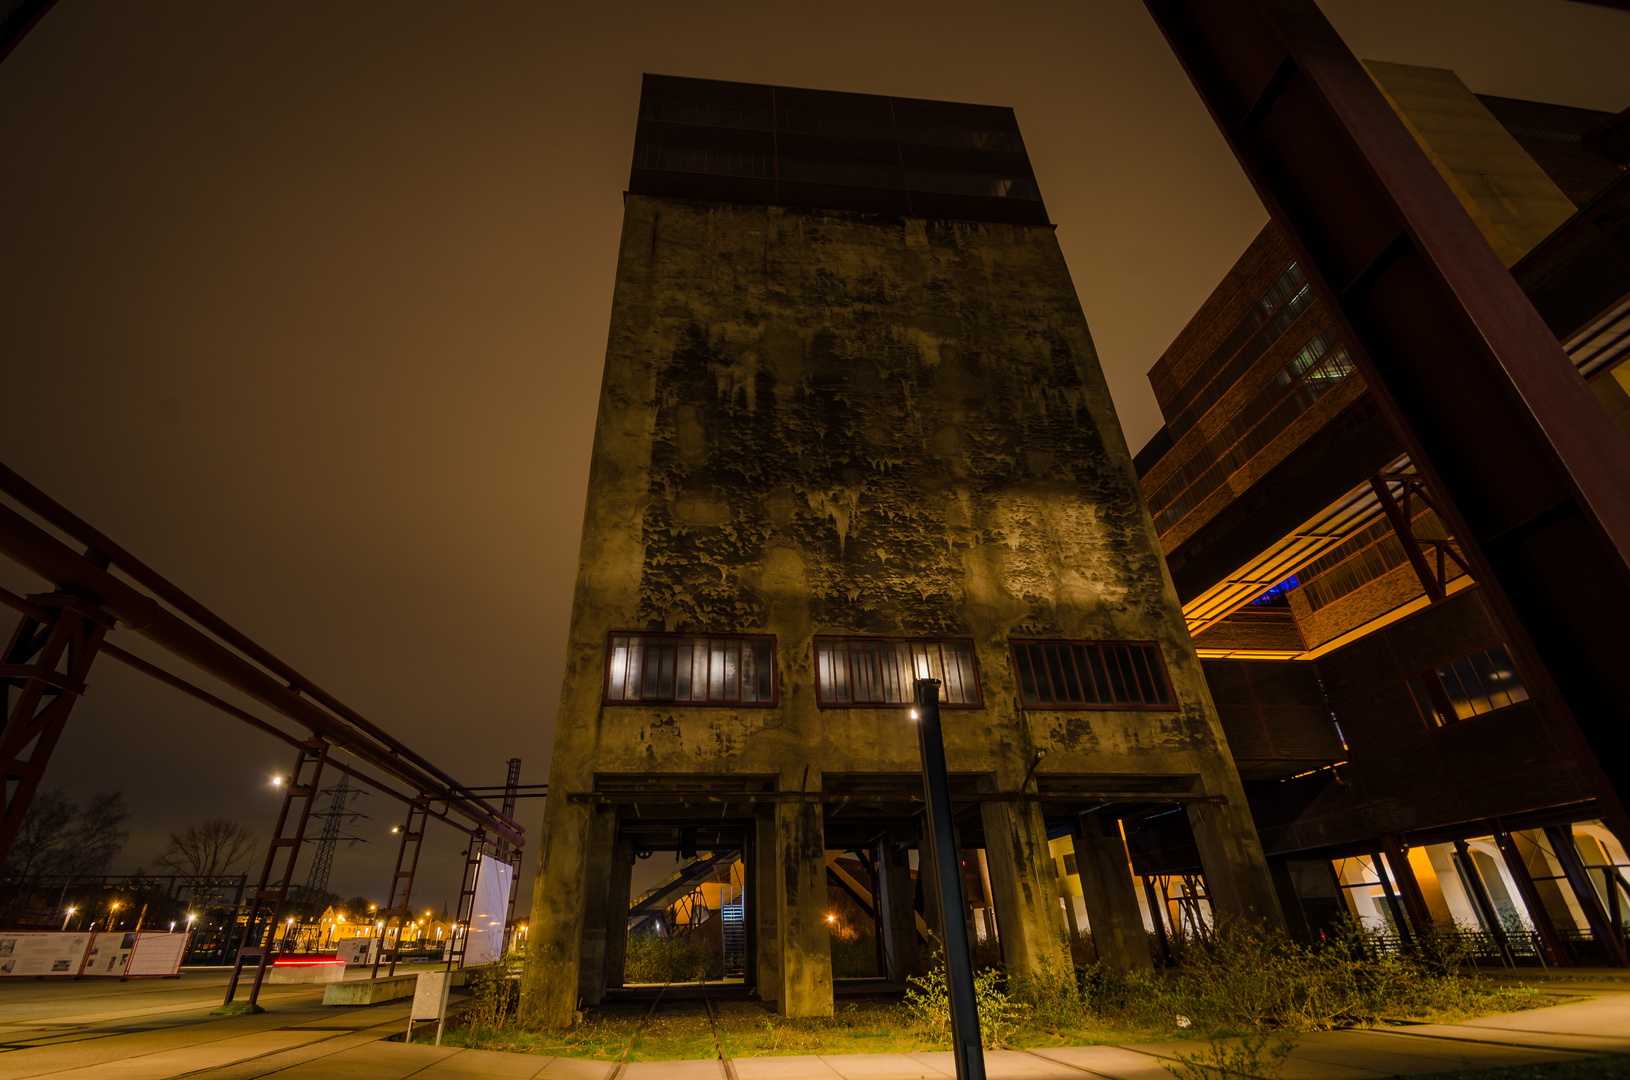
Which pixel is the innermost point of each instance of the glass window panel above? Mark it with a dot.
(824, 670)
(1506, 672)
(684, 664)
(1476, 700)
(715, 669)
(904, 673)
(1140, 667)
(749, 673)
(665, 670)
(1100, 675)
(732, 670)
(636, 664)
(1059, 660)
(1114, 661)
(1024, 655)
(619, 668)
(1483, 665)
(766, 671)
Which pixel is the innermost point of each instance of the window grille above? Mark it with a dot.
(690, 669)
(1091, 675)
(1468, 687)
(881, 671)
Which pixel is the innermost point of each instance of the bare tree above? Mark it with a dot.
(97, 836)
(205, 852)
(42, 839)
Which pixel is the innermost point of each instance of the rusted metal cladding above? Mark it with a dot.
(1536, 476)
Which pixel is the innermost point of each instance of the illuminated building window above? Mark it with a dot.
(1468, 687)
(1091, 675)
(880, 672)
(690, 669)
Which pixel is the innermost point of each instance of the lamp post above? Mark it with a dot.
(966, 1049)
(65, 919)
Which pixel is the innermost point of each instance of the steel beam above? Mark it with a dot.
(1532, 476)
(45, 664)
(43, 554)
(271, 893)
(945, 889)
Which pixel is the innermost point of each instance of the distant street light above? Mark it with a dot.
(277, 781)
(66, 917)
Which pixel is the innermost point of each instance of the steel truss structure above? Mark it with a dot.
(58, 634)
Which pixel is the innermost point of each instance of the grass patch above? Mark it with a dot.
(1241, 980)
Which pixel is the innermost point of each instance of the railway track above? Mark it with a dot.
(713, 1018)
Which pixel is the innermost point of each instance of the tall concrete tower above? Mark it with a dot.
(852, 432)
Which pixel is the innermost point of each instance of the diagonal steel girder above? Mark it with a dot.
(38, 551)
(1533, 475)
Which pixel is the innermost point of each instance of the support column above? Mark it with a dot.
(1530, 897)
(1601, 926)
(1025, 892)
(555, 937)
(617, 898)
(900, 956)
(1409, 887)
(766, 873)
(800, 894)
(1107, 890)
(597, 862)
(1237, 879)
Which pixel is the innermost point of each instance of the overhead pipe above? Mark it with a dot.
(60, 516)
(33, 548)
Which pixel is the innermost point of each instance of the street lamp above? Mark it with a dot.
(66, 917)
(277, 781)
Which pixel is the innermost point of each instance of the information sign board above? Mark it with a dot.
(43, 952)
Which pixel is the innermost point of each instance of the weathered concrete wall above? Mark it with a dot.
(822, 422)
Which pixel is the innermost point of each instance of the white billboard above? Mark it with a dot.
(44, 952)
(486, 941)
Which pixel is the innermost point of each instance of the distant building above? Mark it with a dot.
(1319, 581)
(853, 431)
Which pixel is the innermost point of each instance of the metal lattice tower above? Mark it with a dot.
(336, 818)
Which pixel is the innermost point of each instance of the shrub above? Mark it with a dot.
(1000, 1015)
(495, 994)
(652, 959)
(1261, 1056)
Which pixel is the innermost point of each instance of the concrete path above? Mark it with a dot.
(162, 1031)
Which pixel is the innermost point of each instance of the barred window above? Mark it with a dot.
(1091, 675)
(882, 671)
(698, 670)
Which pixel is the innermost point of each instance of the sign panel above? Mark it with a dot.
(430, 995)
(360, 950)
(486, 941)
(157, 954)
(44, 952)
(110, 954)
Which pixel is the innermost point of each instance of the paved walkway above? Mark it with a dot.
(162, 1031)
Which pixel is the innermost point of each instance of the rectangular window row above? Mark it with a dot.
(682, 668)
(855, 672)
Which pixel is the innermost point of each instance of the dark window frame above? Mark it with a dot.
(691, 703)
(1442, 711)
(1164, 675)
(973, 660)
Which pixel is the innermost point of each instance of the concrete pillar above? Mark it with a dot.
(1110, 896)
(763, 871)
(1028, 920)
(801, 907)
(617, 898)
(555, 940)
(597, 872)
(1237, 879)
(900, 957)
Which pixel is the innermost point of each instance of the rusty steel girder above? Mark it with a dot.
(1531, 475)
